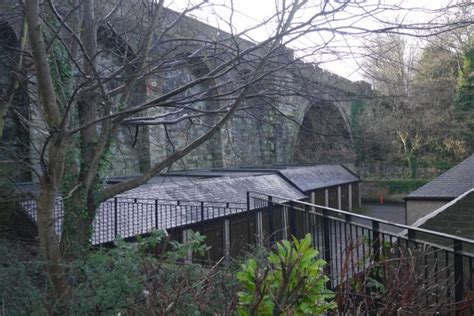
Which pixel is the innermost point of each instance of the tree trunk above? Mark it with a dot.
(412, 166)
(80, 208)
(52, 162)
(77, 226)
(49, 242)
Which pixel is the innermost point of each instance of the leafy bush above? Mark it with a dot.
(142, 278)
(22, 281)
(151, 277)
(291, 281)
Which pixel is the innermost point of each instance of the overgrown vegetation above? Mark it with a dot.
(151, 278)
(400, 185)
(399, 281)
(422, 113)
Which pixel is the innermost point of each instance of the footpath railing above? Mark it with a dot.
(129, 217)
(356, 247)
(440, 266)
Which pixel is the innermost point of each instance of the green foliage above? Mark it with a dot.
(465, 95)
(291, 281)
(400, 185)
(145, 278)
(22, 281)
(357, 107)
(106, 282)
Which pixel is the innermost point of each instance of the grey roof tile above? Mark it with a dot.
(218, 189)
(319, 176)
(135, 212)
(450, 184)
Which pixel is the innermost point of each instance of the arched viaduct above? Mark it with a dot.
(307, 119)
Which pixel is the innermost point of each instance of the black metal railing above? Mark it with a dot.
(352, 244)
(129, 217)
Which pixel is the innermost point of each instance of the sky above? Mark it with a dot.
(343, 53)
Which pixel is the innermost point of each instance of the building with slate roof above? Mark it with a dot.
(220, 189)
(328, 185)
(331, 185)
(213, 202)
(443, 189)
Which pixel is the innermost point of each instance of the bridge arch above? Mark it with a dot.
(324, 134)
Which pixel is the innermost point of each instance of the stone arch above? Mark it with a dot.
(15, 140)
(139, 145)
(129, 148)
(324, 134)
(164, 139)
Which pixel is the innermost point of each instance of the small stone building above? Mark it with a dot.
(333, 186)
(454, 218)
(443, 189)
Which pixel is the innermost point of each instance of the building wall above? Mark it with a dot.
(456, 219)
(344, 197)
(416, 209)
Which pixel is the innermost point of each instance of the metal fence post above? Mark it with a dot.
(202, 217)
(292, 219)
(458, 274)
(349, 197)
(249, 221)
(284, 214)
(327, 244)
(270, 218)
(376, 240)
(306, 219)
(115, 218)
(411, 234)
(156, 214)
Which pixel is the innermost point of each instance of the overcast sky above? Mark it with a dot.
(342, 57)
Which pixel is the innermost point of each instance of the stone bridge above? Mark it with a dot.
(310, 124)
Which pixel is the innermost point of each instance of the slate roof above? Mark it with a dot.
(223, 172)
(319, 176)
(136, 211)
(218, 189)
(153, 205)
(448, 185)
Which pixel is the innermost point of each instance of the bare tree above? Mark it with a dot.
(100, 66)
(415, 83)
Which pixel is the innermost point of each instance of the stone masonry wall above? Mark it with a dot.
(266, 133)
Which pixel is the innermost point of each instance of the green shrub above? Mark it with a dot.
(400, 185)
(148, 277)
(291, 281)
(23, 285)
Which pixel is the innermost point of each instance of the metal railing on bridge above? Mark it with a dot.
(352, 244)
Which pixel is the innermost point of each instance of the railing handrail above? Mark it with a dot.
(381, 221)
(178, 200)
(212, 203)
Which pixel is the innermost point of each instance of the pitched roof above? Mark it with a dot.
(217, 189)
(450, 184)
(142, 209)
(318, 176)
